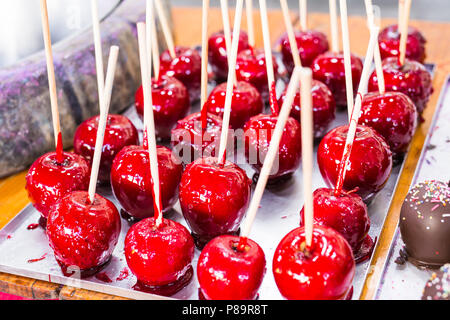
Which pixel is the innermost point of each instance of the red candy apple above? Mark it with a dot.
(323, 272)
(160, 256)
(310, 44)
(186, 67)
(370, 162)
(246, 103)
(324, 107)
(412, 79)
(48, 181)
(227, 272)
(214, 198)
(394, 116)
(132, 183)
(329, 69)
(217, 52)
(170, 100)
(389, 41)
(119, 133)
(82, 234)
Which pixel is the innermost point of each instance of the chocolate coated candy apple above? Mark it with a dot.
(119, 133)
(246, 103)
(323, 272)
(438, 286)
(228, 272)
(170, 100)
(425, 224)
(132, 183)
(370, 162)
(411, 79)
(160, 256)
(82, 234)
(329, 69)
(213, 198)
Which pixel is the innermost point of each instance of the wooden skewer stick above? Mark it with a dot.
(250, 23)
(149, 122)
(347, 58)
(204, 81)
(271, 153)
(165, 28)
(152, 37)
(98, 52)
(377, 55)
(226, 25)
(401, 11)
(230, 83)
(290, 32)
(51, 79)
(307, 150)
(404, 31)
(104, 110)
(357, 110)
(267, 44)
(334, 27)
(303, 5)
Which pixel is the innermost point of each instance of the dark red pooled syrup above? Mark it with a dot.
(33, 226)
(102, 276)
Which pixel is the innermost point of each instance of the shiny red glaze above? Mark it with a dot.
(246, 103)
(217, 53)
(393, 115)
(412, 79)
(214, 198)
(171, 103)
(325, 272)
(225, 273)
(47, 182)
(329, 69)
(186, 67)
(389, 41)
(310, 44)
(120, 132)
(83, 234)
(190, 143)
(158, 256)
(370, 163)
(258, 134)
(324, 107)
(251, 67)
(132, 183)
(345, 213)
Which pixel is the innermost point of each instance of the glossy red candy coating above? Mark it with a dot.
(120, 132)
(370, 163)
(329, 69)
(83, 234)
(325, 272)
(258, 134)
(389, 41)
(412, 79)
(251, 67)
(324, 107)
(225, 273)
(132, 184)
(393, 115)
(214, 198)
(186, 67)
(345, 213)
(217, 53)
(246, 103)
(188, 140)
(48, 181)
(171, 103)
(158, 256)
(310, 44)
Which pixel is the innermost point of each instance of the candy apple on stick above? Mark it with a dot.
(54, 174)
(83, 227)
(158, 251)
(313, 262)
